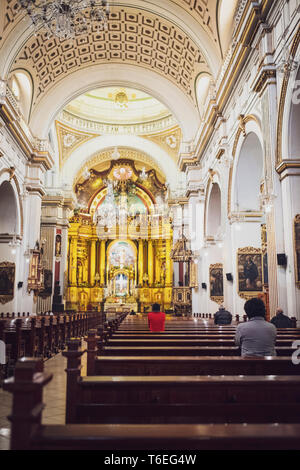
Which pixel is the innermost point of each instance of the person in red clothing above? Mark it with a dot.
(156, 319)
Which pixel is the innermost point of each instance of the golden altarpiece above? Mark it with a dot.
(120, 240)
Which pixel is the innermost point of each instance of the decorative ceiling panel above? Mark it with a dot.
(133, 37)
(69, 140)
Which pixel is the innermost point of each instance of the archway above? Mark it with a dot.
(248, 177)
(8, 210)
(294, 123)
(8, 242)
(214, 212)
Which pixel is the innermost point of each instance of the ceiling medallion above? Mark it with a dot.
(67, 18)
(122, 173)
(121, 98)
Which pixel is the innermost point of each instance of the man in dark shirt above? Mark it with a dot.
(257, 336)
(223, 317)
(280, 320)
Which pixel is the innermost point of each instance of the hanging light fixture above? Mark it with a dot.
(143, 174)
(14, 244)
(86, 173)
(116, 154)
(67, 18)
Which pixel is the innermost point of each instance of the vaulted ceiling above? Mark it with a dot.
(157, 46)
(178, 39)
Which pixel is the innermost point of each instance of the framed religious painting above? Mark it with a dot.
(7, 281)
(250, 272)
(216, 282)
(297, 248)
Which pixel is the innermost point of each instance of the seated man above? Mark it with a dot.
(280, 320)
(256, 337)
(222, 317)
(156, 319)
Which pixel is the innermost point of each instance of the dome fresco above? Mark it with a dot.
(117, 105)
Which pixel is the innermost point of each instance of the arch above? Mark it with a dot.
(214, 209)
(285, 104)
(202, 85)
(21, 84)
(8, 209)
(248, 175)
(105, 156)
(15, 201)
(294, 122)
(85, 152)
(131, 76)
(248, 125)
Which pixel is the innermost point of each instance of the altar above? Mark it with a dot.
(120, 307)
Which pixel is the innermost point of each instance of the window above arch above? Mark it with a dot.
(203, 84)
(21, 85)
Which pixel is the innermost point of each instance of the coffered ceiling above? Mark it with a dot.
(175, 40)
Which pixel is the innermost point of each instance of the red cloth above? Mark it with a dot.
(156, 321)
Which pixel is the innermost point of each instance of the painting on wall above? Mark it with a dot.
(216, 282)
(297, 248)
(250, 272)
(7, 281)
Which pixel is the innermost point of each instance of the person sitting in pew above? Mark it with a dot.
(156, 319)
(222, 317)
(280, 320)
(256, 337)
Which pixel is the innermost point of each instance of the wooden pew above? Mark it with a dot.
(178, 365)
(40, 335)
(29, 434)
(182, 351)
(188, 365)
(178, 399)
(182, 342)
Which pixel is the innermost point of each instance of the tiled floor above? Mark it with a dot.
(54, 397)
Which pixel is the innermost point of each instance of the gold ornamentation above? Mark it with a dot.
(11, 173)
(70, 139)
(242, 124)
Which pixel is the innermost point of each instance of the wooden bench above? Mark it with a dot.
(178, 399)
(40, 335)
(168, 437)
(178, 365)
(29, 434)
(182, 351)
(141, 364)
(166, 342)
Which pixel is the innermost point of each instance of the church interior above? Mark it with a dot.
(149, 154)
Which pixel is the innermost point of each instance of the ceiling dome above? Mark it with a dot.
(116, 105)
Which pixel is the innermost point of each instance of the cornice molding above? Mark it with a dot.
(37, 151)
(253, 16)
